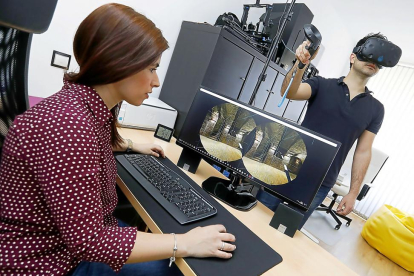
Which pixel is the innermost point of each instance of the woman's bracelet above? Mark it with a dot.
(130, 144)
(172, 259)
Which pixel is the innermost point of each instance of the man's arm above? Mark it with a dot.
(362, 158)
(298, 90)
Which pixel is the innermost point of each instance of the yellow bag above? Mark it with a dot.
(391, 232)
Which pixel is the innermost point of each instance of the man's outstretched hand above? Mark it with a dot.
(346, 205)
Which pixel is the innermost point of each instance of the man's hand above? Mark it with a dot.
(303, 55)
(362, 158)
(346, 205)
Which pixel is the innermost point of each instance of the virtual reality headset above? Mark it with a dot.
(378, 51)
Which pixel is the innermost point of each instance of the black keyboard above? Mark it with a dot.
(169, 189)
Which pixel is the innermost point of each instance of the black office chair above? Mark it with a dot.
(19, 19)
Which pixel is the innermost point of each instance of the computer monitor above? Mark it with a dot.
(248, 144)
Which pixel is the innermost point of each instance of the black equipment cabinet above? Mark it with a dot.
(228, 69)
(294, 110)
(275, 98)
(265, 87)
(221, 61)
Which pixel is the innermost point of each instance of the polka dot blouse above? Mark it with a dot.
(57, 188)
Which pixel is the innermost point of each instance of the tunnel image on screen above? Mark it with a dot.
(270, 152)
(277, 154)
(223, 130)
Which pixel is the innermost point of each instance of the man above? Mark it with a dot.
(342, 109)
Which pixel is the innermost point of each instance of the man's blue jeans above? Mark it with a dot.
(272, 202)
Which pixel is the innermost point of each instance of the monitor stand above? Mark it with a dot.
(226, 191)
(232, 192)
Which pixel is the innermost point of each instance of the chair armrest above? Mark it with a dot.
(340, 183)
(363, 192)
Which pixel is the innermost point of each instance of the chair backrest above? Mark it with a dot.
(14, 59)
(18, 20)
(378, 159)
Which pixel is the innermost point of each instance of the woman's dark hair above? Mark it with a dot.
(111, 44)
(365, 38)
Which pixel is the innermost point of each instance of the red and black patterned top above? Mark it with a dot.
(57, 188)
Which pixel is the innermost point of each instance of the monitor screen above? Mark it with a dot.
(287, 159)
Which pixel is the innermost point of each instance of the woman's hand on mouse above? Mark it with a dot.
(208, 241)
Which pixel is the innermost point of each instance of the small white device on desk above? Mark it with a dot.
(148, 115)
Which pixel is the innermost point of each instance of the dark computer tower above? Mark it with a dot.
(293, 34)
(310, 72)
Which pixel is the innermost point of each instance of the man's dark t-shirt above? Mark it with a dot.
(331, 113)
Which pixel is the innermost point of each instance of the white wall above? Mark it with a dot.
(336, 39)
(45, 80)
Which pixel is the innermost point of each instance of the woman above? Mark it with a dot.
(57, 176)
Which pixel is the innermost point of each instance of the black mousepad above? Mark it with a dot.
(252, 256)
